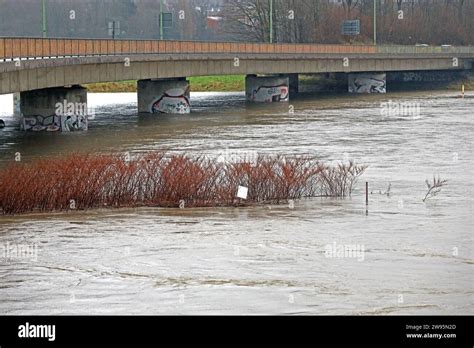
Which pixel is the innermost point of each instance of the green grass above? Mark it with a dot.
(112, 87)
(225, 83)
(236, 83)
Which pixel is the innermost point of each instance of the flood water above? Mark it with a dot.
(417, 258)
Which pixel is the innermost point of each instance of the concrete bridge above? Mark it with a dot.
(43, 70)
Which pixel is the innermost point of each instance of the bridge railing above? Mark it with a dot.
(398, 49)
(14, 48)
(18, 48)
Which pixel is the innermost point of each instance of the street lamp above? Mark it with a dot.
(44, 19)
(161, 19)
(375, 22)
(271, 21)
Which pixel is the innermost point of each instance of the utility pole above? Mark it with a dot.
(161, 19)
(375, 22)
(271, 21)
(45, 34)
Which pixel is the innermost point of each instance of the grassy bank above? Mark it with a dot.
(318, 83)
(236, 83)
(112, 87)
(456, 86)
(226, 83)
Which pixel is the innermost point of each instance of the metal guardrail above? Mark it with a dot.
(397, 49)
(17, 48)
(35, 48)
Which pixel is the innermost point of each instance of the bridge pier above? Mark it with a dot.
(367, 83)
(267, 89)
(166, 96)
(294, 81)
(54, 109)
(16, 105)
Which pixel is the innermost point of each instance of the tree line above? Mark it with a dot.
(409, 22)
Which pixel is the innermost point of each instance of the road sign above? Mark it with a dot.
(351, 27)
(114, 29)
(167, 19)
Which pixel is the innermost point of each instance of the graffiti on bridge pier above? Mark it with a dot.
(55, 123)
(367, 83)
(269, 94)
(173, 101)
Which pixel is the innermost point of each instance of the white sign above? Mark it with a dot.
(242, 192)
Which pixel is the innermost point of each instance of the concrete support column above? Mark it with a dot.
(166, 96)
(16, 105)
(367, 83)
(294, 84)
(54, 109)
(267, 89)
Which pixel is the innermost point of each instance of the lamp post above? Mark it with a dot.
(375, 22)
(271, 21)
(161, 19)
(44, 19)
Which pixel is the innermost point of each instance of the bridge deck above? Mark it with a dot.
(28, 64)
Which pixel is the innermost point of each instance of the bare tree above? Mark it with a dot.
(349, 5)
(434, 187)
(249, 19)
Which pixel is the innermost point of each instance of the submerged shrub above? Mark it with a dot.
(158, 179)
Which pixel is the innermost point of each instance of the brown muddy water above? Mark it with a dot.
(404, 257)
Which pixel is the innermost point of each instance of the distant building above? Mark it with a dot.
(214, 22)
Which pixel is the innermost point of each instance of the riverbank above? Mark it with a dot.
(467, 80)
(236, 83)
(225, 83)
